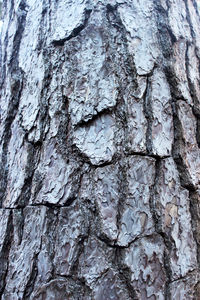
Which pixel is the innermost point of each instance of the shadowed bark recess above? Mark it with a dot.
(99, 150)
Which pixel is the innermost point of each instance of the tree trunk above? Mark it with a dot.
(100, 150)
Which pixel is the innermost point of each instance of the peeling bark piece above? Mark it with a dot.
(173, 210)
(106, 193)
(71, 230)
(23, 257)
(162, 123)
(110, 287)
(137, 126)
(94, 261)
(144, 259)
(68, 16)
(138, 19)
(96, 139)
(90, 84)
(186, 288)
(189, 150)
(136, 218)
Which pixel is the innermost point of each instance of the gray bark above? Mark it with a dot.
(99, 150)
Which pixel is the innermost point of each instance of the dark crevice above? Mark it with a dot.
(43, 116)
(52, 205)
(177, 150)
(92, 118)
(4, 254)
(148, 112)
(133, 153)
(49, 205)
(124, 274)
(123, 186)
(21, 21)
(166, 37)
(154, 207)
(116, 246)
(198, 131)
(178, 144)
(18, 223)
(76, 31)
(195, 108)
(33, 152)
(196, 8)
(31, 282)
(185, 277)
(42, 27)
(12, 111)
(147, 106)
(79, 251)
(196, 112)
(53, 230)
(195, 220)
(188, 18)
(191, 86)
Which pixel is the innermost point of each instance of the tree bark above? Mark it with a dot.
(99, 149)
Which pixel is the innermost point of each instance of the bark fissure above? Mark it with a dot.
(4, 253)
(31, 282)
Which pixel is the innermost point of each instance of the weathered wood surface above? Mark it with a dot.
(99, 150)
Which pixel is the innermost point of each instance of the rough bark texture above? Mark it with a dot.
(99, 149)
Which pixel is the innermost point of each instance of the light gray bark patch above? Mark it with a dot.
(71, 232)
(60, 288)
(96, 140)
(136, 219)
(106, 192)
(109, 286)
(69, 20)
(89, 80)
(172, 204)
(145, 260)
(16, 90)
